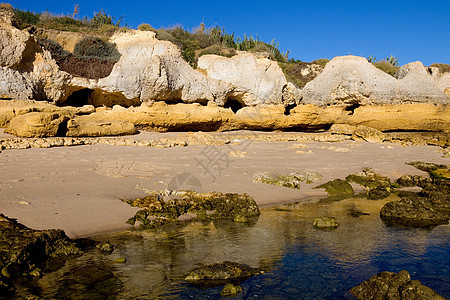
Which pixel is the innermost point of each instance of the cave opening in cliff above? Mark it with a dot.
(288, 108)
(351, 108)
(79, 98)
(233, 103)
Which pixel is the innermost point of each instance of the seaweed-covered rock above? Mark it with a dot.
(325, 223)
(291, 180)
(378, 185)
(163, 207)
(231, 290)
(427, 208)
(337, 188)
(355, 212)
(222, 272)
(393, 286)
(24, 251)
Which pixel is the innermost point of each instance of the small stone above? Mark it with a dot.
(231, 290)
(106, 248)
(325, 222)
(120, 260)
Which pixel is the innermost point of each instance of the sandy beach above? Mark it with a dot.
(79, 189)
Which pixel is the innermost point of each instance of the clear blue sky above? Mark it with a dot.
(411, 30)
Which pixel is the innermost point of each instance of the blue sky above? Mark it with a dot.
(411, 30)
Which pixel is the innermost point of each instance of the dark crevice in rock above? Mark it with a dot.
(288, 108)
(234, 103)
(78, 98)
(351, 108)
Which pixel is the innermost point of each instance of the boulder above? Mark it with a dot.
(353, 81)
(342, 129)
(38, 124)
(368, 134)
(254, 80)
(291, 180)
(390, 285)
(79, 127)
(224, 271)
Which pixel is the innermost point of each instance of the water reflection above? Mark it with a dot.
(300, 262)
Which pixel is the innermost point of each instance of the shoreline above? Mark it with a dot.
(78, 189)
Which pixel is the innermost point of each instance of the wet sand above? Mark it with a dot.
(78, 189)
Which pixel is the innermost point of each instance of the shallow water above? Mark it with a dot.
(300, 262)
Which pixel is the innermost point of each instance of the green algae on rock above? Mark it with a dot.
(325, 223)
(337, 188)
(24, 252)
(231, 290)
(291, 180)
(390, 285)
(379, 186)
(168, 206)
(217, 274)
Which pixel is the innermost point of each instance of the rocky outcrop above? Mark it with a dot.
(390, 285)
(427, 208)
(337, 188)
(218, 273)
(253, 80)
(38, 124)
(378, 186)
(353, 81)
(150, 69)
(79, 127)
(291, 180)
(167, 206)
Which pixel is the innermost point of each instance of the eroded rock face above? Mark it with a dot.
(13, 85)
(150, 69)
(390, 285)
(37, 124)
(254, 80)
(352, 80)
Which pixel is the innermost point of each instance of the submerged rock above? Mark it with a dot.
(24, 251)
(390, 285)
(231, 290)
(167, 206)
(291, 180)
(325, 223)
(337, 188)
(355, 212)
(221, 272)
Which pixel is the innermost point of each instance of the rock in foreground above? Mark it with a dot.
(393, 286)
(25, 252)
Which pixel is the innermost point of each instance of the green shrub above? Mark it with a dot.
(443, 68)
(321, 62)
(26, 18)
(146, 27)
(218, 50)
(386, 66)
(103, 18)
(94, 47)
(57, 51)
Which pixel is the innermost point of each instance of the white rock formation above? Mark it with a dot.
(150, 69)
(253, 80)
(352, 80)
